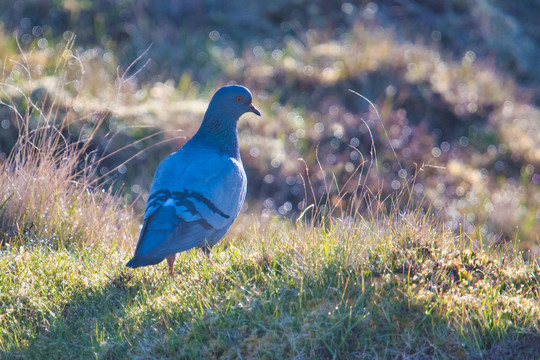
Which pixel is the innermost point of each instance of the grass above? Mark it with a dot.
(391, 284)
(403, 290)
(49, 193)
(455, 111)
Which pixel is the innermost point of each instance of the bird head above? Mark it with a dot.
(234, 100)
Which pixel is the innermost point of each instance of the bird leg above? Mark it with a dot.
(170, 261)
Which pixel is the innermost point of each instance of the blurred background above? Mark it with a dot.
(456, 84)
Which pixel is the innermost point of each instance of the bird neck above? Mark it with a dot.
(219, 132)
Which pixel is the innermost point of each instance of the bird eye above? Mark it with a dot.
(238, 99)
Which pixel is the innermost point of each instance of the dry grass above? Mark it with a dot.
(49, 193)
(396, 283)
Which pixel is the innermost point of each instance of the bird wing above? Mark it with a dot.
(194, 198)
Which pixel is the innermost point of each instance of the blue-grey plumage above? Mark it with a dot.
(198, 191)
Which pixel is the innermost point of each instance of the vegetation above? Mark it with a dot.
(460, 108)
(407, 232)
(379, 288)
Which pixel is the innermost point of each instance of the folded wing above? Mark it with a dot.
(193, 202)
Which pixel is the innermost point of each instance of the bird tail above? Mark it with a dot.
(143, 253)
(137, 261)
(132, 263)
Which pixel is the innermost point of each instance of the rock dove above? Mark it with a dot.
(197, 191)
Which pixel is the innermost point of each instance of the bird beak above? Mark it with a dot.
(254, 110)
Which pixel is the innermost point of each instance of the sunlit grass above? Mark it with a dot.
(398, 288)
(48, 189)
(386, 281)
(489, 128)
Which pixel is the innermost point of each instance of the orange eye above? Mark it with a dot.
(238, 99)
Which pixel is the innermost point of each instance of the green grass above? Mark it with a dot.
(394, 284)
(362, 291)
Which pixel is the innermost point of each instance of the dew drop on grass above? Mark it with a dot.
(43, 43)
(268, 178)
(347, 8)
(254, 152)
(319, 127)
(277, 54)
(214, 35)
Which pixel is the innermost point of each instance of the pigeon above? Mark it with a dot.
(198, 191)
